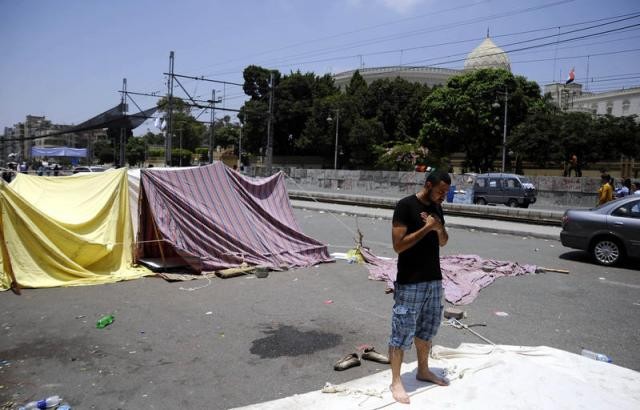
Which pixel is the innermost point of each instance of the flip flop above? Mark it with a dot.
(371, 354)
(347, 362)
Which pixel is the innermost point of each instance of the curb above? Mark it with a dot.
(368, 214)
(523, 215)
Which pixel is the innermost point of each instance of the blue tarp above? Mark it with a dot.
(58, 152)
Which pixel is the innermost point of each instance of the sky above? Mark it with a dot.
(66, 59)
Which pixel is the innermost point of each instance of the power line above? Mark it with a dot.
(367, 28)
(620, 18)
(528, 47)
(428, 30)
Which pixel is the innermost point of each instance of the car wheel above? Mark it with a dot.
(606, 251)
(481, 201)
(512, 203)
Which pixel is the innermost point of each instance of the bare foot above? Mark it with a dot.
(429, 376)
(398, 393)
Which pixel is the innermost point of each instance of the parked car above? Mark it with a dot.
(609, 232)
(89, 169)
(510, 189)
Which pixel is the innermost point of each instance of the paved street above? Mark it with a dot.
(218, 344)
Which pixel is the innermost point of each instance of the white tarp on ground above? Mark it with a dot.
(486, 377)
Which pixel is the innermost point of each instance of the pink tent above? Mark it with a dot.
(213, 217)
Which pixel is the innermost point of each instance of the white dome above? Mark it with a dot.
(487, 55)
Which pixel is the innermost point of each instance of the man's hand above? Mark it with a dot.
(434, 223)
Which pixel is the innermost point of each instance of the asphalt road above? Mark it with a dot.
(245, 340)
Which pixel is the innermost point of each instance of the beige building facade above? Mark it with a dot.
(485, 55)
(572, 97)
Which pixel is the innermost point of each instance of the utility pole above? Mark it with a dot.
(180, 146)
(169, 136)
(269, 154)
(240, 142)
(123, 130)
(212, 131)
(335, 153)
(504, 131)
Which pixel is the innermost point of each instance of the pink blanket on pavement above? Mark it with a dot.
(463, 276)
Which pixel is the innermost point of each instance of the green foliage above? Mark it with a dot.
(103, 151)
(256, 81)
(155, 153)
(398, 156)
(153, 139)
(177, 105)
(549, 137)
(188, 129)
(226, 134)
(466, 115)
(135, 151)
(461, 116)
(180, 157)
(360, 142)
(202, 155)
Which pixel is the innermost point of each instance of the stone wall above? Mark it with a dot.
(553, 191)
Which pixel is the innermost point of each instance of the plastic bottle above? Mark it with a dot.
(47, 403)
(596, 356)
(105, 321)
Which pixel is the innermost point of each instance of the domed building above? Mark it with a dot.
(486, 55)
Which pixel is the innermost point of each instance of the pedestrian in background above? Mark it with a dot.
(605, 193)
(417, 233)
(625, 189)
(635, 188)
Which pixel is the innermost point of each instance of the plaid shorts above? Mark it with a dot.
(417, 312)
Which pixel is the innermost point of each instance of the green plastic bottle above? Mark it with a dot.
(105, 321)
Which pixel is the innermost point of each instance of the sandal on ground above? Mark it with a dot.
(347, 362)
(371, 354)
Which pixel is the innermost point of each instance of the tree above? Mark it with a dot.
(256, 81)
(135, 152)
(536, 138)
(227, 134)
(397, 105)
(177, 105)
(359, 146)
(186, 129)
(103, 151)
(461, 116)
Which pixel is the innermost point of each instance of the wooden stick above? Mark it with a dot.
(541, 268)
(6, 262)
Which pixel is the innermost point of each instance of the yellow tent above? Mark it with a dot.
(66, 231)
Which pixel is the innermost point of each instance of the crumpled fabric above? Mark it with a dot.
(463, 276)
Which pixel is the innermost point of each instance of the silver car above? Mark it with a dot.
(609, 232)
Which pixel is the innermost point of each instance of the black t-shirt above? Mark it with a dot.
(421, 262)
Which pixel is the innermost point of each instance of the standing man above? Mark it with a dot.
(418, 233)
(605, 193)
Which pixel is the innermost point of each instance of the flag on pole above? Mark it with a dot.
(572, 76)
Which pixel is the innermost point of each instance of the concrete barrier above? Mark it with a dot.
(535, 216)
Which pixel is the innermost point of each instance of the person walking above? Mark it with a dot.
(605, 193)
(625, 189)
(418, 232)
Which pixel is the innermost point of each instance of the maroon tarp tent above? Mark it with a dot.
(212, 217)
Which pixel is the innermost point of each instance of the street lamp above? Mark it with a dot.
(504, 130)
(335, 154)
